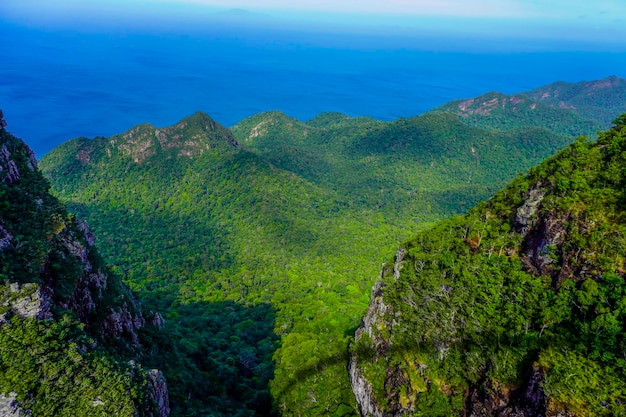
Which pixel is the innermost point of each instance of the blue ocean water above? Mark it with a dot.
(59, 84)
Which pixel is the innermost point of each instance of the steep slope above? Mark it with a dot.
(66, 322)
(516, 308)
(503, 112)
(598, 100)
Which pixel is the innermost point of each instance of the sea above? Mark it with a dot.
(57, 84)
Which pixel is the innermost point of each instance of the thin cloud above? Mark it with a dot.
(453, 8)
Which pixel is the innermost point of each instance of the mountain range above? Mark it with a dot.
(259, 245)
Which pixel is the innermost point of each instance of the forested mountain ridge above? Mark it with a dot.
(387, 166)
(516, 308)
(281, 229)
(189, 138)
(599, 100)
(571, 109)
(68, 326)
(504, 112)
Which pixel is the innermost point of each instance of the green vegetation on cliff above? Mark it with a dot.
(599, 100)
(61, 353)
(518, 306)
(49, 366)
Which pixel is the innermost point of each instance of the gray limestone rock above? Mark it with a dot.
(157, 392)
(9, 406)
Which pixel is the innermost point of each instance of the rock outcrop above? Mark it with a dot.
(9, 406)
(494, 400)
(5, 238)
(26, 301)
(157, 392)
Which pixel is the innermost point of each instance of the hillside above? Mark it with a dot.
(516, 308)
(69, 329)
(385, 167)
(598, 100)
(503, 112)
(570, 109)
(260, 246)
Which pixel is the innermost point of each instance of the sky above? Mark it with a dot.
(598, 10)
(597, 20)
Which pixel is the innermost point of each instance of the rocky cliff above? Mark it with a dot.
(51, 273)
(515, 309)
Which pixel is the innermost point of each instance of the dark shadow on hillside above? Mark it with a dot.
(216, 357)
(304, 373)
(155, 253)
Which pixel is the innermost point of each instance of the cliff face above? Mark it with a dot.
(51, 272)
(515, 309)
(376, 328)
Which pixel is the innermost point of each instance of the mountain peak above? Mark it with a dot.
(259, 125)
(190, 137)
(199, 117)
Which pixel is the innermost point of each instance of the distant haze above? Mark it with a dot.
(560, 20)
(98, 67)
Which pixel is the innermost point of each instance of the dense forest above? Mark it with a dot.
(287, 223)
(516, 308)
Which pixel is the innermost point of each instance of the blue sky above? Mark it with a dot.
(607, 12)
(597, 21)
(598, 10)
